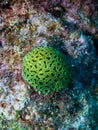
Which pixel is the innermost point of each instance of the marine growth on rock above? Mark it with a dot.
(46, 70)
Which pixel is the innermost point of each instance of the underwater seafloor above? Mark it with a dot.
(70, 26)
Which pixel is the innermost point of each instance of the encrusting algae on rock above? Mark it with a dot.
(46, 70)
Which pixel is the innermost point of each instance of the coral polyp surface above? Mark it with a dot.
(46, 69)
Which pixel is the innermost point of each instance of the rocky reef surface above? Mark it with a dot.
(69, 26)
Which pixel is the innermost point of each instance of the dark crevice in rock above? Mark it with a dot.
(96, 45)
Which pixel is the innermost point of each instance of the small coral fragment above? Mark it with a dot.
(46, 69)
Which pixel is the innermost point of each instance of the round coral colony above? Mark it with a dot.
(46, 70)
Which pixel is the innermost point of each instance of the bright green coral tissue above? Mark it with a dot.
(46, 69)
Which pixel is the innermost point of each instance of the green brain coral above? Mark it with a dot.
(46, 69)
